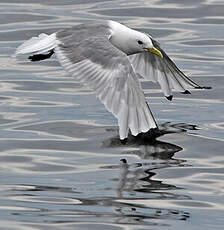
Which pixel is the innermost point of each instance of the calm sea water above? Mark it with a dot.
(61, 159)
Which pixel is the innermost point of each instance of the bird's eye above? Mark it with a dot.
(140, 42)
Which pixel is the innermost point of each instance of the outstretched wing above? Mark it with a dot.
(162, 70)
(91, 59)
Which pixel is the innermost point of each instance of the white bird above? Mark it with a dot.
(107, 57)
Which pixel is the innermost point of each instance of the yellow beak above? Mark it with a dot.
(155, 51)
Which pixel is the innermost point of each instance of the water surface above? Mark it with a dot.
(62, 164)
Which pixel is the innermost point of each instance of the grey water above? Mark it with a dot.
(62, 165)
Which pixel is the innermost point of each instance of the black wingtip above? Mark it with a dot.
(207, 87)
(39, 57)
(169, 97)
(203, 87)
(123, 161)
(124, 141)
(186, 92)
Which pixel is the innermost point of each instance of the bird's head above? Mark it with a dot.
(144, 43)
(131, 41)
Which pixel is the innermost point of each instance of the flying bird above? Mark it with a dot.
(108, 57)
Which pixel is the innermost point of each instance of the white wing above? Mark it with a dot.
(94, 61)
(162, 70)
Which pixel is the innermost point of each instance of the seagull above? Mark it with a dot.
(109, 57)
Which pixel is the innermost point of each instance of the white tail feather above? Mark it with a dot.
(40, 44)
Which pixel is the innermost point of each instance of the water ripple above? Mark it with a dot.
(62, 163)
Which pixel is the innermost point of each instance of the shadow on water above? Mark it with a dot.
(148, 144)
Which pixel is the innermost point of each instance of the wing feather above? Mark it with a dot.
(108, 71)
(161, 70)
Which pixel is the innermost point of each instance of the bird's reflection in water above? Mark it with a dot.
(123, 193)
(136, 182)
(136, 179)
